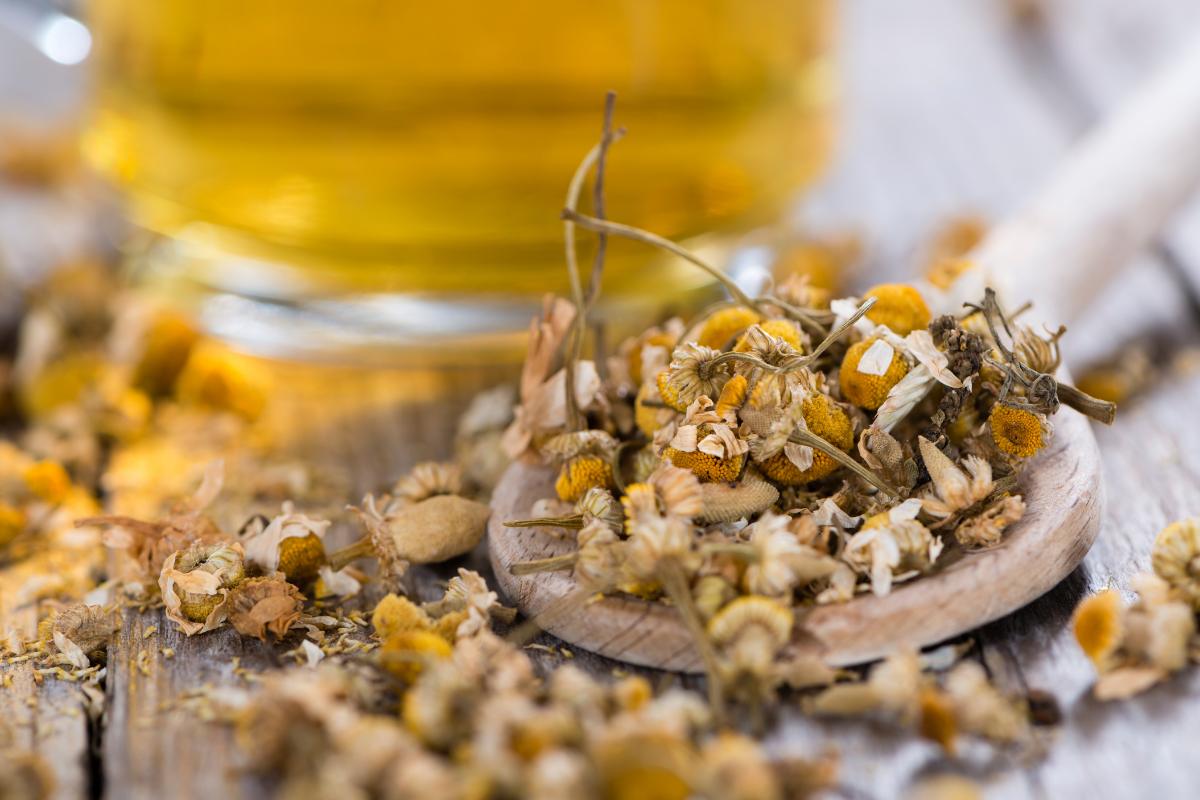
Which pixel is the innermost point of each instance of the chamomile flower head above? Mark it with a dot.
(581, 474)
(869, 370)
(1017, 431)
(722, 326)
(898, 306)
(782, 329)
(1176, 559)
(797, 465)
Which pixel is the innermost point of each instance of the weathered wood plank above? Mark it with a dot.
(47, 717)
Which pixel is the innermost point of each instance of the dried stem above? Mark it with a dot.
(363, 548)
(573, 521)
(802, 315)
(675, 583)
(565, 561)
(595, 157)
(798, 362)
(639, 235)
(810, 439)
(1084, 403)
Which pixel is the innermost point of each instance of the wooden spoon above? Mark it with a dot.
(1107, 200)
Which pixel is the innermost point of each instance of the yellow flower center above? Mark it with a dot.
(900, 307)
(868, 391)
(301, 557)
(1016, 431)
(720, 328)
(580, 474)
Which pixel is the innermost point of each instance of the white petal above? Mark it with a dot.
(313, 653)
(830, 513)
(340, 583)
(905, 511)
(799, 454)
(73, 652)
(920, 344)
(877, 359)
(685, 438)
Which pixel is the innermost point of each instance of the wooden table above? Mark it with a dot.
(950, 106)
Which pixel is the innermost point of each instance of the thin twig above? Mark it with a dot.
(639, 235)
(595, 157)
(810, 439)
(606, 139)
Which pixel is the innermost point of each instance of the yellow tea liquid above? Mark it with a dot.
(321, 148)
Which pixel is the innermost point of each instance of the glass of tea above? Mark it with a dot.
(386, 177)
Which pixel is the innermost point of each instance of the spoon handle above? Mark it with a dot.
(1108, 199)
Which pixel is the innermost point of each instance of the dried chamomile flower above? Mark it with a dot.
(1176, 559)
(195, 585)
(655, 538)
(395, 614)
(428, 479)
(599, 505)
(693, 373)
(892, 688)
(705, 444)
(261, 605)
(722, 326)
(954, 489)
(581, 474)
(468, 594)
(292, 543)
(633, 764)
(736, 768)
(892, 546)
(778, 563)
(1018, 431)
(406, 655)
(749, 633)
(598, 558)
(900, 307)
(986, 529)
(979, 708)
(1136, 647)
(651, 411)
(1097, 625)
(47, 481)
(797, 465)
(870, 369)
(428, 532)
(780, 329)
(165, 341)
(767, 348)
(78, 632)
(657, 342)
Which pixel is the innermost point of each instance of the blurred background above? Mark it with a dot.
(354, 207)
